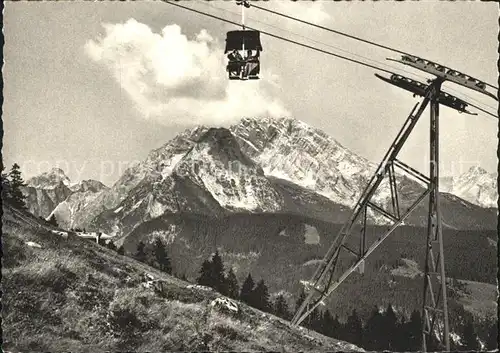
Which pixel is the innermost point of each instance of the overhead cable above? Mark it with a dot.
(277, 37)
(340, 33)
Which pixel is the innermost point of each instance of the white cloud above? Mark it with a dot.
(174, 79)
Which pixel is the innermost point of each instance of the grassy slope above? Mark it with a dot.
(254, 244)
(74, 295)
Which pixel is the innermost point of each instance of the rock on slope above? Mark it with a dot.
(69, 294)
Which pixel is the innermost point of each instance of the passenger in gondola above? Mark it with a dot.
(252, 65)
(235, 56)
(254, 58)
(234, 67)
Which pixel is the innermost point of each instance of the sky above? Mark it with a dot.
(91, 87)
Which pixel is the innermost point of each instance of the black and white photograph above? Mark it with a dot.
(250, 176)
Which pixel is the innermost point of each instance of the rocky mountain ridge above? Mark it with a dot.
(254, 166)
(45, 192)
(476, 185)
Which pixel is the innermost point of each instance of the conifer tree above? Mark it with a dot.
(402, 336)
(218, 277)
(341, 332)
(261, 296)
(315, 320)
(5, 186)
(140, 254)
(300, 299)
(121, 250)
(246, 293)
(16, 181)
(281, 308)
(354, 329)
(327, 323)
(390, 326)
(52, 220)
(232, 285)
(492, 340)
(373, 338)
(336, 330)
(415, 331)
(161, 256)
(205, 278)
(470, 341)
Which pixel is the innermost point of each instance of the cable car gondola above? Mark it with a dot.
(244, 49)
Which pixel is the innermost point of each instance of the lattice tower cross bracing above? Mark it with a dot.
(326, 279)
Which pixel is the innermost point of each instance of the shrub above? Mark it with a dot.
(129, 313)
(91, 297)
(12, 251)
(230, 333)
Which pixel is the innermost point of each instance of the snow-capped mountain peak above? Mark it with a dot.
(217, 164)
(290, 149)
(476, 185)
(49, 180)
(88, 185)
(221, 145)
(46, 192)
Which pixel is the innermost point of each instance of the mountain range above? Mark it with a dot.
(259, 165)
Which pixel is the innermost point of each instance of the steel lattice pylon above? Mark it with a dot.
(329, 276)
